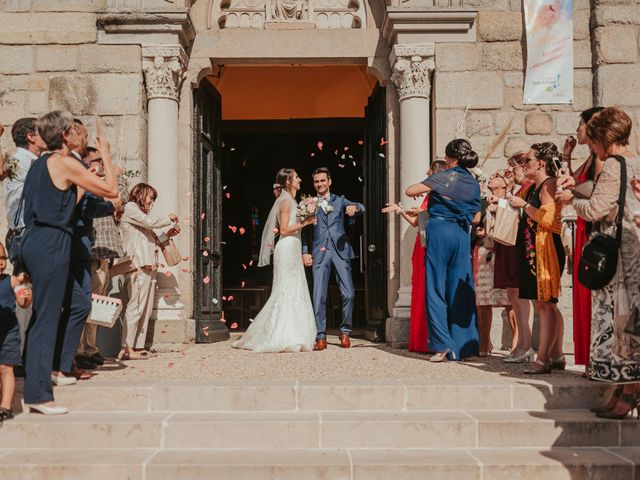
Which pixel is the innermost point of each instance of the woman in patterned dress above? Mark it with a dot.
(615, 354)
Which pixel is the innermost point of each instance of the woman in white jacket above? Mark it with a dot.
(141, 243)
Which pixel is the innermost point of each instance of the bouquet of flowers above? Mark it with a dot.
(309, 206)
(11, 168)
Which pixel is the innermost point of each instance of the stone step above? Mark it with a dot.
(312, 396)
(339, 430)
(434, 464)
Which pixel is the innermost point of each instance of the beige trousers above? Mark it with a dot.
(99, 283)
(141, 288)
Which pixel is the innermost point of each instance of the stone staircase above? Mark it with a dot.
(506, 428)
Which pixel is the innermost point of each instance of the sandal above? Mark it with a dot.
(132, 355)
(146, 353)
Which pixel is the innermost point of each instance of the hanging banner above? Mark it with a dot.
(549, 75)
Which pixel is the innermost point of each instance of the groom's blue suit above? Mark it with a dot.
(331, 251)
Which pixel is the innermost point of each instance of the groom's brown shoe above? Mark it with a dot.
(344, 340)
(320, 344)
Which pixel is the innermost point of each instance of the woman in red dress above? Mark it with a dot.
(418, 322)
(589, 170)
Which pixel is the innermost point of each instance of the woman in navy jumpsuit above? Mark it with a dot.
(54, 183)
(454, 201)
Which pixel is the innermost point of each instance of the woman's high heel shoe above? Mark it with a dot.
(538, 368)
(43, 409)
(610, 405)
(631, 401)
(440, 356)
(524, 358)
(559, 363)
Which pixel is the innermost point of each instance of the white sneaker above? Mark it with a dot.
(63, 380)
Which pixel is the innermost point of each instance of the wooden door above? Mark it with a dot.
(207, 214)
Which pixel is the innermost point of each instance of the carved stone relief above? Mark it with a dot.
(412, 67)
(164, 71)
(318, 13)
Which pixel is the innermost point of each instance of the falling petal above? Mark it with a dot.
(167, 274)
(354, 163)
(224, 187)
(233, 149)
(351, 157)
(205, 331)
(346, 149)
(206, 239)
(335, 152)
(202, 215)
(383, 141)
(222, 320)
(205, 253)
(186, 270)
(242, 284)
(343, 156)
(320, 145)
(233, 326)
(215, 301)
(341, 165)
(205, 280)
(313, 154)
(360, 142)
(230, 298)
(360, 178)
(244, 266)
(224, 299)
(242, 231)
(381, 154)
(228, 195)
(275, 230)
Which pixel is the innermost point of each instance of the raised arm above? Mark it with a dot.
(416, 190)
(137, 217)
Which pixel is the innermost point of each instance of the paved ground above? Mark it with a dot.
(364, 360)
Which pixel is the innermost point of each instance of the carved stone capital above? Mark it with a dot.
(164, 68)
(412, 65)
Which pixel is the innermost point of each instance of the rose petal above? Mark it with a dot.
(242, 231)
(275, 230)
(346, 149)
(250, 262)
(360, 142)
(320, 145)
(224, 299)
(233, 326)
(244, 266)
(354, 163)
(205, 253)
(242, 284)
(228, 195)
(167, 274)
(233, 149)
(206, 239)
(205, 280)
(202, 215)
(186, 270)
(383, 141)
(224, 187)
(381, 154)
(215, 301)
(205, 331)
(341, 165)
(230, 298)
(313, 154)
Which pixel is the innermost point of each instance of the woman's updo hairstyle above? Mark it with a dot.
(610, 126)
(283, 176)
(462, 151)
(546, 152)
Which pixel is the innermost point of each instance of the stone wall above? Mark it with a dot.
(51, 59)
(479, 86)
(616, 42)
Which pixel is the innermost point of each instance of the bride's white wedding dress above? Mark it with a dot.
(286, 322)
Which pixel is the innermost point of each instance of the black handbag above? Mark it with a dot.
(13, 240)
(599, 258)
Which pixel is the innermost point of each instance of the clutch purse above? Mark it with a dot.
(505, 228)
(584, 190)
(104, 310)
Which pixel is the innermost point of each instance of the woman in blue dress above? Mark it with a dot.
(454, 204)
(54, 184)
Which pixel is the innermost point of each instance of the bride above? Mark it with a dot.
(286, 322)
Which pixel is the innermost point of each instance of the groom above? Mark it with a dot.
(331, 251)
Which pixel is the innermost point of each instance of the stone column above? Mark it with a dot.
(412, 66)
(164, 71)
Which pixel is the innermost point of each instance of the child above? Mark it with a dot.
(13, 290)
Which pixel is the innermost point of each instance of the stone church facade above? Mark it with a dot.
(446, 68)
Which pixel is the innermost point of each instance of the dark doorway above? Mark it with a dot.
(253, 153)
